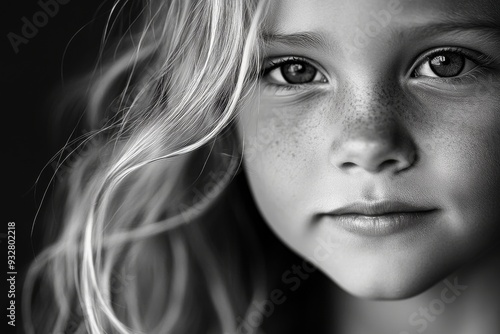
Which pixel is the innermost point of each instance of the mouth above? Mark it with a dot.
(381, 218)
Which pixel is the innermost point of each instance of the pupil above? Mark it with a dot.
(447, 64)
(297, 73)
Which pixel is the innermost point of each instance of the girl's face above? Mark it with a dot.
(372, 143)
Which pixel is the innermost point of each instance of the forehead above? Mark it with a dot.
(342, 16)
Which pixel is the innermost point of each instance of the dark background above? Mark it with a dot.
(65, 46)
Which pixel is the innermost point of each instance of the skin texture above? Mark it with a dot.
(371, 131)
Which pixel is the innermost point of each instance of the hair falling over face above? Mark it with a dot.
(139, 250)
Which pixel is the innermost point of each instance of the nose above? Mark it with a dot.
(375, 151)
(372, 130)
(374, 140)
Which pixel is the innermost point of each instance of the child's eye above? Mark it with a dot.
(444, 64)
(293, 71)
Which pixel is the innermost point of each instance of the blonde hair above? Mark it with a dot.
(124, 260)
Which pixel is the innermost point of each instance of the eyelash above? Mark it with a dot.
(481, 60)
(277, 62)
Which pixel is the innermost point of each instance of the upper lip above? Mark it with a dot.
(379, 208)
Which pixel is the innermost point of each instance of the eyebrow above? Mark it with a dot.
(305, 39)
(489, 27)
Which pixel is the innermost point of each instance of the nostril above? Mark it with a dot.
(388, 163)
(347, 165)
(374, 166)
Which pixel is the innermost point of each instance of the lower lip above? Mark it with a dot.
(384, 225)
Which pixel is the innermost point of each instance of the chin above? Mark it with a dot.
(387, 284)
(387, 290)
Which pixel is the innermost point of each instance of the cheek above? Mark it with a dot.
(462, 156)
(282, 145)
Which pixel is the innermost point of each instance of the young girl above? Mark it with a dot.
(365, 133)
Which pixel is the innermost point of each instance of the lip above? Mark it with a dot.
(381, 218)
